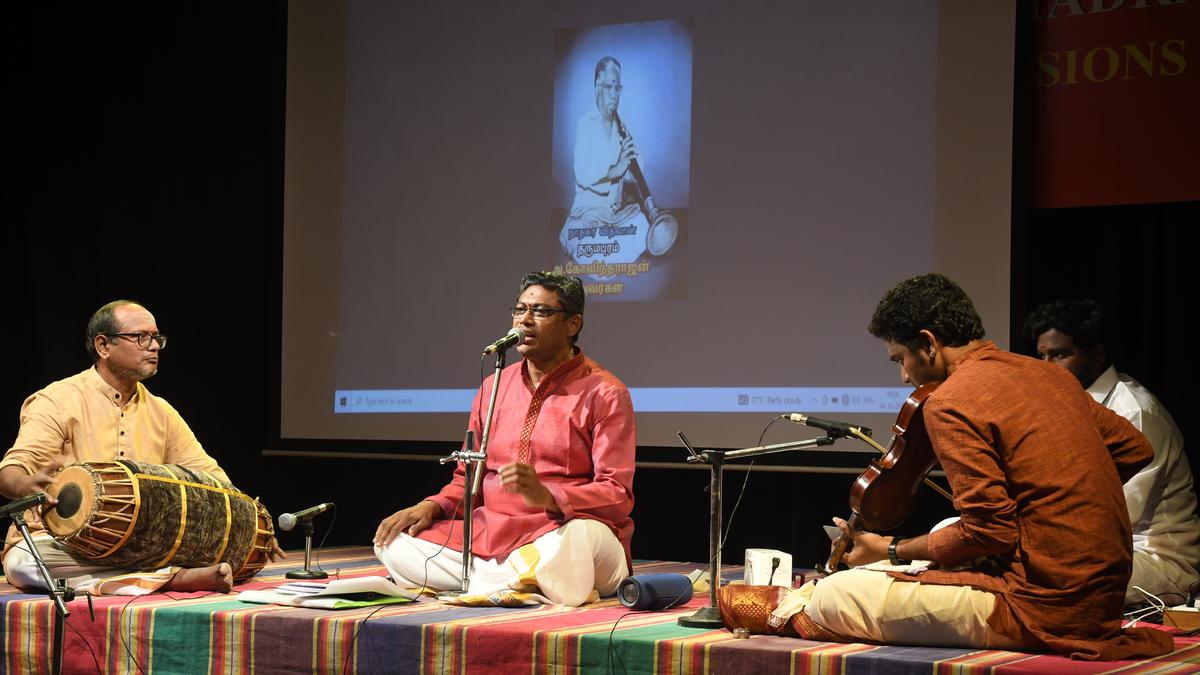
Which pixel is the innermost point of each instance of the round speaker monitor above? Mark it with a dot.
(628, 593)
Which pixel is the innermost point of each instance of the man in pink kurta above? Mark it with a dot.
(581, 445)
(561, 450)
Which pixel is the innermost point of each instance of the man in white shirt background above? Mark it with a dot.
(1161, 498)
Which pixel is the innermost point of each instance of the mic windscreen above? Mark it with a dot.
(70, 497)
(286, 522)
(655, 591)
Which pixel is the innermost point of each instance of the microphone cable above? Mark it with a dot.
(742, 490)
(424, 583)
(321, 545)
(445, 542)
(612, 632)
(444, 545)
(720, 547)
(95, 660)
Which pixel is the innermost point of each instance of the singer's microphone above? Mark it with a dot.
(510, 338)
(18, 505)
(289, 520)
(832, 427)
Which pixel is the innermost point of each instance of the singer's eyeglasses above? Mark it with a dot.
(611, 87)
(143, 339)
(539, 311)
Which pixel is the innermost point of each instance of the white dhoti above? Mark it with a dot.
(575, 564)
(82, 575)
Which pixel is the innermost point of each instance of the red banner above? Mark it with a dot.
(1116, 102)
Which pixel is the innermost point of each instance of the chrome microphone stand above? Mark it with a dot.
(474, 466)
(60, 593)
(307, 572)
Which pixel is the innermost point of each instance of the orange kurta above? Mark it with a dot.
(82, 419)
(1036, 468)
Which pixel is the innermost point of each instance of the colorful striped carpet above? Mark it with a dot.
(198, 633)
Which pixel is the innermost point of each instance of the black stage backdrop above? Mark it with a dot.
(146, 162)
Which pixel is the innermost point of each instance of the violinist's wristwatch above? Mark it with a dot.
(892, 557)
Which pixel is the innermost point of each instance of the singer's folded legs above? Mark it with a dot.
(563, 566)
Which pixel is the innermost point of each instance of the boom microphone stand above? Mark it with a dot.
(710, 617)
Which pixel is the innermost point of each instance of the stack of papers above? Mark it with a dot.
(336, 594)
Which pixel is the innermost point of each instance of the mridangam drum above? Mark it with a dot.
(148, 516)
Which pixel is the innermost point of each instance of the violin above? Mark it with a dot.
(884, 495)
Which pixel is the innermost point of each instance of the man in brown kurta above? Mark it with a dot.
(1036, 468)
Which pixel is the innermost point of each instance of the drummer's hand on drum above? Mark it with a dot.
(275, 553)
(15, 483)
(411, 520)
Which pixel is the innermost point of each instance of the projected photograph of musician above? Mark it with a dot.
(616, 234)
(604, 153)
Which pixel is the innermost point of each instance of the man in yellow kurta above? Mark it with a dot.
(103, 414)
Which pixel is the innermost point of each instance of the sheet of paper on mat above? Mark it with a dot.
(336, 594)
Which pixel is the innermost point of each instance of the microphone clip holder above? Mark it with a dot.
(463, 456)
(473, 461)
